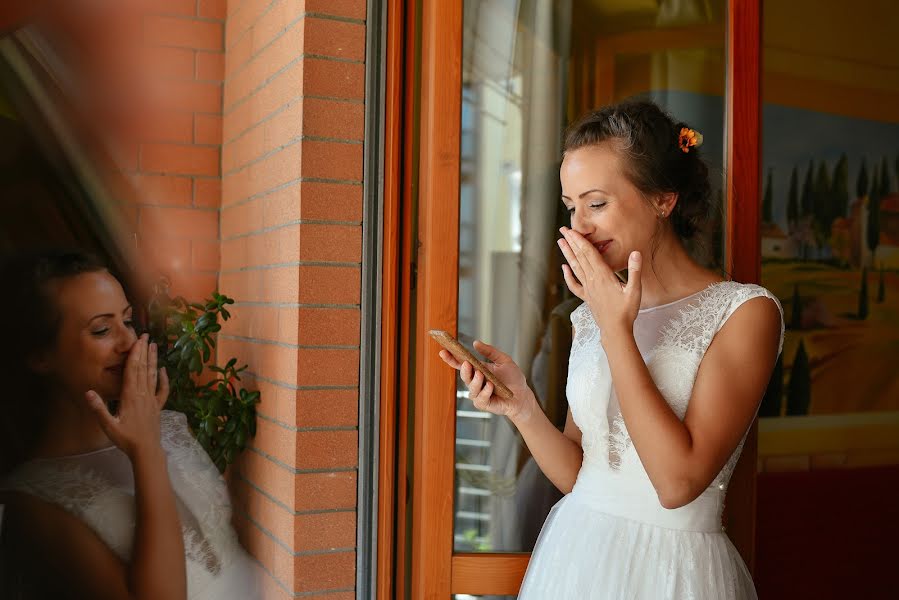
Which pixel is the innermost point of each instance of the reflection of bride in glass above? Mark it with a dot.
(106, 495)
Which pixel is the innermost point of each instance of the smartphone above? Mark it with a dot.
(462, 354)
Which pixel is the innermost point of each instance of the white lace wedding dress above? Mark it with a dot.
(98, 488)
(610, 538)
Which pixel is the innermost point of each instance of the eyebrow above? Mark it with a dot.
(593, 191)
(92, 319)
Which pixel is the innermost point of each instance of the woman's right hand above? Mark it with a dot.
(480, 391)
(135, 427)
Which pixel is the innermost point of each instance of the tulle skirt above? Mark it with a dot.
(241, 579)
(587, 554)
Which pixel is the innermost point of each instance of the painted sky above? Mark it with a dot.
(792, 137)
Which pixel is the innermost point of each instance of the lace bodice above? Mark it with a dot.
(672, 339)
(98, 488)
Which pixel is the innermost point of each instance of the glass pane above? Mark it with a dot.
(830, 235)
(530, 67)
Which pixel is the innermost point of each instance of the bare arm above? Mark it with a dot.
(62, 556)
(682, 458)
(558, 454)
(157, 568)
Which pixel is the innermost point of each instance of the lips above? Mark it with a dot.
(116, 369)
(602, 246)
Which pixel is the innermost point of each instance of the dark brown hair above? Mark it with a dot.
(31, 320)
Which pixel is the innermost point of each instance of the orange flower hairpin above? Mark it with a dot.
(689, 138)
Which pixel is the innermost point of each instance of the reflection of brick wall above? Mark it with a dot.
(177, 161)
(291, 213)
(252, 182)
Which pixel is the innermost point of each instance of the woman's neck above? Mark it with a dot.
(672, 274)
(71, 429)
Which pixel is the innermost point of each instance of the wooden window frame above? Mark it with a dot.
(422, 146)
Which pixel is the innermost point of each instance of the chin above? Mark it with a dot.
(109, 390)
(616, 264)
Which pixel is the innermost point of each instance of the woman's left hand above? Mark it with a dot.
(614, 304)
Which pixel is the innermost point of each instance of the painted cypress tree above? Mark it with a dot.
(793, 199)
(875, 181)
(796, 312)
(840, 188)
(861, 184)
(823, 203)
(885, 179)
(807, 197)
(799, 394)
(863, 296)
(873, 228)
(881, 288)
(806, 207)
(774, 393)
(767, 208)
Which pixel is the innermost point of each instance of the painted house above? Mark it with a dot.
(776, 243)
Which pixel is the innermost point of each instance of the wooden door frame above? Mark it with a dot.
(398, 281)
(392, 302)
(743, 167)
(437, 289)
(421, 263)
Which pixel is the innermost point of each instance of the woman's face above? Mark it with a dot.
(604, 205)
(95, 335)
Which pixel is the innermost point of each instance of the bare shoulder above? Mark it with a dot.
(48, 539)
(757, 322)
(43, 521)
(745, 348)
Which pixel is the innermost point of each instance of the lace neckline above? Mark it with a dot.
(79, 455)
(679, 300)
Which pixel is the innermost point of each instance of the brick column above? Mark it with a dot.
(291, 233)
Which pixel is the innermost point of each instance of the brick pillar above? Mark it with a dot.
(291, 234)
(177, 164)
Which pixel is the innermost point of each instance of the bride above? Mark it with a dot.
(100, 504)
(665, 376)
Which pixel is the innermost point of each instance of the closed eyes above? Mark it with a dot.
(101, 332)
(597, 206)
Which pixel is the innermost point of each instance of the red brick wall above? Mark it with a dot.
(291, 232)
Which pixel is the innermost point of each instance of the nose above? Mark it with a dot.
(581, 224)
(125, 338)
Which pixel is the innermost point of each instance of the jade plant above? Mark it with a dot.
(221, 415)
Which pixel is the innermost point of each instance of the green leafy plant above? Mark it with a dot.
(221, 415)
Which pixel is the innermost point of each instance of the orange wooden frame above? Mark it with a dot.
(397, 283)
(392, 275)
(437, 283)
(421, 262)
(743, 144)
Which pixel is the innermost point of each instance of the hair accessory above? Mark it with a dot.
(689, 138)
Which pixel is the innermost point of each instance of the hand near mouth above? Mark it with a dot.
(614, 304)
(135, 427)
